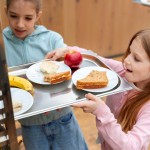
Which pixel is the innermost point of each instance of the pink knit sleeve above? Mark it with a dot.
(111, 131)
(115, 65)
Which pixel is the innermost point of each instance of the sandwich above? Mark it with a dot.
(57, 77)
(16, 105)
(95, 79)
(48, 67)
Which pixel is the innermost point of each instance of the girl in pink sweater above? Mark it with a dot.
(123, 122)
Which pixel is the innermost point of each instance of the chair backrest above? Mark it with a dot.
(8, 136)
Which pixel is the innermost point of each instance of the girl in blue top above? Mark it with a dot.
(25, 43)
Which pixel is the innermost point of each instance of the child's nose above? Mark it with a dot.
(127, 60)
(20, 23)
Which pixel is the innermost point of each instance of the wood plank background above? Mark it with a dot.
(103, 26)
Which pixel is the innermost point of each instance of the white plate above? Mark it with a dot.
(22, 96)
(83, 72)
(145, 2)
(35, 75)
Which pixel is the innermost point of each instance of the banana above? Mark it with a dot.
(22, 83)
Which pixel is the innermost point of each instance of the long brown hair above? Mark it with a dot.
(129, 111)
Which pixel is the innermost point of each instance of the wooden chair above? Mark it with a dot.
(8, 137)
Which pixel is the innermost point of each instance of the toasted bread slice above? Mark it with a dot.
(95, 79)
(57, 77)
(16, 105)
(48, 67)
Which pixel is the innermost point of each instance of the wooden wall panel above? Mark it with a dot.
(103, 26)
(108, 25)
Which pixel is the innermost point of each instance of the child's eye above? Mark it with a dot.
(13, 16)
(136, 59)
(28, 19)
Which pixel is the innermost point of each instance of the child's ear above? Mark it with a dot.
(38, 15)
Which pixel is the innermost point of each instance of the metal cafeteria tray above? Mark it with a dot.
(51, 97)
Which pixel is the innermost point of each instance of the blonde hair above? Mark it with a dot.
(128, 114)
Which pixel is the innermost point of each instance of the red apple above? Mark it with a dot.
(73, 59)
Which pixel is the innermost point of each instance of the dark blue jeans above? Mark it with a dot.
(61, 134)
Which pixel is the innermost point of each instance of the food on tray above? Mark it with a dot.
(57, 77)
(22, 83)
(95, 79)
(73, 59)
(16, 105)
(48, 67)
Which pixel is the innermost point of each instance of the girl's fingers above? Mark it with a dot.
(80, 104)
(54, 57)
(50, 55)
(86, 111)
(91, 97)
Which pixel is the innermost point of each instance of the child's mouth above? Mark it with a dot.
(128, 70)
(20, 31)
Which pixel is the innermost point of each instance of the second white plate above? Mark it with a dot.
(83, 72)
(24, 97)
